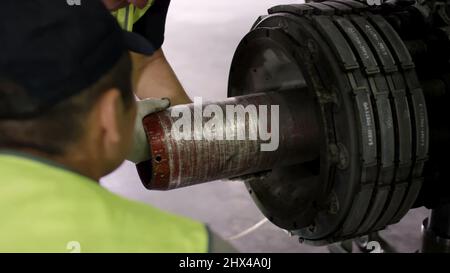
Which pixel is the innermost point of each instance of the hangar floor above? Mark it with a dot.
(201, 37)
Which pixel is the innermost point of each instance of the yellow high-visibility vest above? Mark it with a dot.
(45, 208)
(129, 15)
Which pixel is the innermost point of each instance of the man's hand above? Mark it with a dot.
(141, 151)
(118, 4)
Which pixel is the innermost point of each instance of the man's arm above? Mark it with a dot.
(154, 77)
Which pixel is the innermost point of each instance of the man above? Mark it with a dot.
(67, 118)
(152, 76)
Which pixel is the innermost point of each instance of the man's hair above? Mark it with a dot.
(61, 125)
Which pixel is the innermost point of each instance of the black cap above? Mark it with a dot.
(50, 50)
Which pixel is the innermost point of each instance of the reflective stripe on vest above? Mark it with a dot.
(129, 15)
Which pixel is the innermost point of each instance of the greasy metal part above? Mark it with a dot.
(359, 117)
(374, 120)
(440, 221)
(210, 154)
(436, 231)
(269, 57)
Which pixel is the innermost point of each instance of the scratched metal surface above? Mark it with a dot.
(232, 146)
(200, 40)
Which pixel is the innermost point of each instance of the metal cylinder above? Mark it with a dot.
(197, 143)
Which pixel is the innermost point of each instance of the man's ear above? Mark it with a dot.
(111, 128)
(109, 113)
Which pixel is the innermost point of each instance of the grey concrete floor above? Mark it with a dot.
(201, 37)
